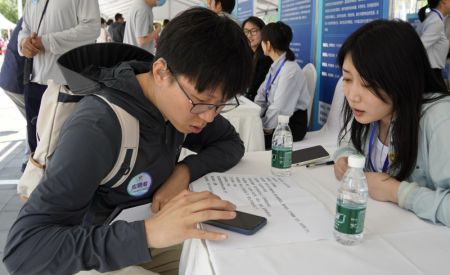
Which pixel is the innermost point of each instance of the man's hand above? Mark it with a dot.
(37, 42)
(178, 220)
(177, 182)
(382, 187)
(340, 167)
(28, 49)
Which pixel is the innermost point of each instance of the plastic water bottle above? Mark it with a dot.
(282, 148)
(351, 203)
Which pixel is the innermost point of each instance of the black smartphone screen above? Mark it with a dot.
(244, 223)
(309, 155)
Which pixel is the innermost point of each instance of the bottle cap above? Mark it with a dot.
(356, 161)
(283, 119)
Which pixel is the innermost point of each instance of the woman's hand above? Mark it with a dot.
(177, 182)
(382, 187)
(178, 220)
(340, 166)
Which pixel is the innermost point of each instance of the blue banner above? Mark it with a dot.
(299, 15)
(337, 20)
(244, 9)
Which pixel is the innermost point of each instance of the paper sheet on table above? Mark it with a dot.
(293, 215)
(136, 213)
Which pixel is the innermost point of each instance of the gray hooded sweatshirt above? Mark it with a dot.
(61, 229)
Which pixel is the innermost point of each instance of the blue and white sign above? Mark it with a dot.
(337, 20)
(244, 9)
(299, 15)
(139, 185)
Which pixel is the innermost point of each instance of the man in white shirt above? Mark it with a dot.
(223, 8)
(66, 24)
(139, 29)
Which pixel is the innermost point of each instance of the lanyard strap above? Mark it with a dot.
(42, 16)
(270, 81)
(438, 13)
(371, 142)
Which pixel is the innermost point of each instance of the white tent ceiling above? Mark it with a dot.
(109, 8)
(5, 24)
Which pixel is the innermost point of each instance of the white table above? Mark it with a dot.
(395, 242)
(248, 124)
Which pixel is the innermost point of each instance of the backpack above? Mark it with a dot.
(57, 103)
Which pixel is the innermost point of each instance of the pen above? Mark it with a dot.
(330, 162)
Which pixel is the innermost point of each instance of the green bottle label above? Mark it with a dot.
(349, 220)
(281, 157)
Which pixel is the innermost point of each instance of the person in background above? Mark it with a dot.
(11, 78)
(177, 97)
(139, 30)
(223, 8)
(66, 24)
(109, 22)
(117, 29)
(252, 27)
(165, 22)
(432, 34)
(11, 74)
(284, 90)
(104, 34)
(157, 26)
(397, 115)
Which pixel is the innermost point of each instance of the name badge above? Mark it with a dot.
(139, 185)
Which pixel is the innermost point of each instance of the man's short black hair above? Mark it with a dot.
(118, 16)
(227, 5)
(210, 50)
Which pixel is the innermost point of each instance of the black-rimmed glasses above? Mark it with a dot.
(198, 108)
(251, 31)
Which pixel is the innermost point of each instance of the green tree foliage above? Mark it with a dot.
(9, 9)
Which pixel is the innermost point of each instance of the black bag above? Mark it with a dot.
(27, 70)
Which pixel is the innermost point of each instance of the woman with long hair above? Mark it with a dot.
(397, 114)
(284, 91)
(252, 27)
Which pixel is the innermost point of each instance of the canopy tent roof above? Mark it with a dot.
(109, 8)
(5, 24)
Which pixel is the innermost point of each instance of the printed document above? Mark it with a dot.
(293, 215)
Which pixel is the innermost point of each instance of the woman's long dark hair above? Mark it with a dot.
(392, 61)
(280, 36)
(431, 4)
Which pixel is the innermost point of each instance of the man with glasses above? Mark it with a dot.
(177, 97)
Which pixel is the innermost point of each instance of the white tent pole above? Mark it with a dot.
(19, 8)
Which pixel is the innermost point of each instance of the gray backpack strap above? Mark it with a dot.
(128, 148)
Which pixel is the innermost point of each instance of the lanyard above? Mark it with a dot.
(438, 13)
(371, 143)
(270, 81)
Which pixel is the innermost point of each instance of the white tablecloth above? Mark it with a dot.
(396, 241)
(248, 124)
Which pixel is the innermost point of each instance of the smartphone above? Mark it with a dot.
(244, 223)
(309, 155)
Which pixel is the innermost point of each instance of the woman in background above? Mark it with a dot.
(104, 34)
(284, 90)
(432, 34)
(399, 118)
(252, 27)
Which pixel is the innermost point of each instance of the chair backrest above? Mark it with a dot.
(334, 119)
(311, 77)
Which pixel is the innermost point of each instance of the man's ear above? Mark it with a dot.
(160, 71)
